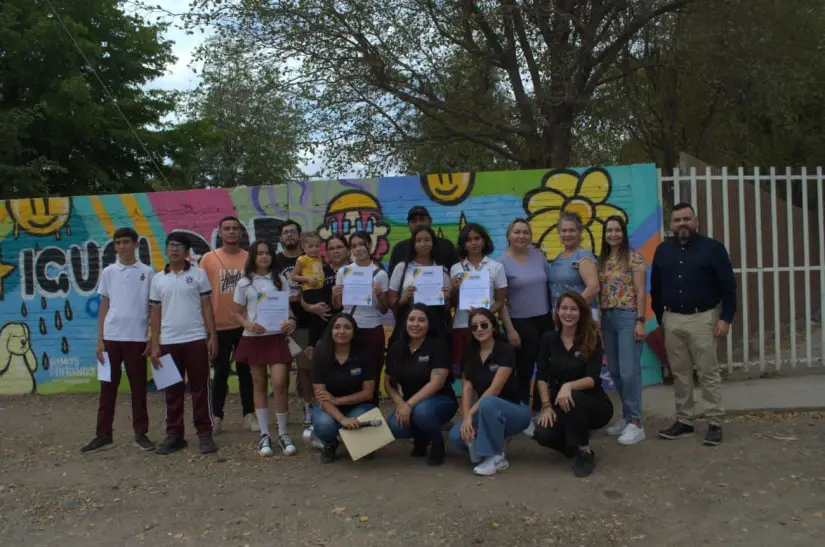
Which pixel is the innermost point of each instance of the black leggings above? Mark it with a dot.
(530, 330)
(227, 343)
(572, 429)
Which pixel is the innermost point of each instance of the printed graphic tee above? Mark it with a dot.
(224, 271)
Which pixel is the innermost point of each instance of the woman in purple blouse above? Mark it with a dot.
(526, 316)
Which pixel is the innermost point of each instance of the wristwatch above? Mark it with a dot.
(641, 319)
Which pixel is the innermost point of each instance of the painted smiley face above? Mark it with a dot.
(39, 216)
(449, 189)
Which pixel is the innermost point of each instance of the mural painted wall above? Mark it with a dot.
(52, 250)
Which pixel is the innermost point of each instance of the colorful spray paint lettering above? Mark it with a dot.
(52, 250)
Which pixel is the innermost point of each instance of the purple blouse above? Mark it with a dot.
(526, 285)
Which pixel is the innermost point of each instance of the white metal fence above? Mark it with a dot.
(773, 225)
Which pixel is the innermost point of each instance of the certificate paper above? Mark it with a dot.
(104, 369)
(168, 373)
(429, 285)
(357, 285)
(475, 290)
(273, 311)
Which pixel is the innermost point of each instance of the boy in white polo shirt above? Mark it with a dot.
(122, 323)
(183, 326)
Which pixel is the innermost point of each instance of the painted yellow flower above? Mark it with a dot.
(566, 191)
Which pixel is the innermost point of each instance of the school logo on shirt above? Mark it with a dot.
(143, 277)
(577, 354)
(355, 372)
(189, 279)
(423, 358)
(493, 368)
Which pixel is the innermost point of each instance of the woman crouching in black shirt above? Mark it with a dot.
(419, 363)
(343, 378)
(569, 382)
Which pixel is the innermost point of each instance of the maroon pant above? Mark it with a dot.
(192, 360)
(130, 353)
(375, 341)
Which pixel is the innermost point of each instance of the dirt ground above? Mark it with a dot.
(765, 486)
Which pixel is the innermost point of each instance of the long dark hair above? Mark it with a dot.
(471, 355)
(623, 255)
(325, 350)
(432, 331)
(366, 239)
(587, 331)
(488, 247)
(250, 266)
(411, 249)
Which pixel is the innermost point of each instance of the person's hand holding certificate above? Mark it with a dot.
(429, 285)
(474, 291)
(357, 286)
(273, 311)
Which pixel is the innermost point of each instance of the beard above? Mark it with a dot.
(290, 246)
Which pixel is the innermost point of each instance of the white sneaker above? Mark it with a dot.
(265, 446)
(530, 430)
(633, 434)
(616, 429)
(217, 425)
(250, 421)
(491, 465)
(287, 446)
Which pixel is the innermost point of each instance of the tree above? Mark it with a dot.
(370, 67)
(257, 132)
(60, 132)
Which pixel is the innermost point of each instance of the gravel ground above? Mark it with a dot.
(765, 486)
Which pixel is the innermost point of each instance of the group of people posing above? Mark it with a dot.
(548, 326)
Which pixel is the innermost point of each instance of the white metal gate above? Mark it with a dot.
(778, 250)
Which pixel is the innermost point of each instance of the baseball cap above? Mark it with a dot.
(418, 211)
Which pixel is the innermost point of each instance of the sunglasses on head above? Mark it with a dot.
(480, 326)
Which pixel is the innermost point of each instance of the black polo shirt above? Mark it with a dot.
(481, 374)
(692, 277)
(344, 379)
(445, 253)
(412, 370)
(558, 365)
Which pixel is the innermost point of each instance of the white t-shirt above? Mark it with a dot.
(248, 291)
(127, 288)
(498, 280)
(396, 282)
(367, 317)
(181, 300)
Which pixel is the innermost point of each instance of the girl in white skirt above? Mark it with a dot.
(262, 348)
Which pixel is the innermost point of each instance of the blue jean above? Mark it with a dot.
(426, 419)
(624, 359)
(495, 420)
(326, 427)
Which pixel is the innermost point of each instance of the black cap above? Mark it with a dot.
(418, 211)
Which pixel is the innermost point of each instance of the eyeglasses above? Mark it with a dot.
(175, 246)
(480, 326)
(290, 232)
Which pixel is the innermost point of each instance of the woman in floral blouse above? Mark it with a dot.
(622, 275)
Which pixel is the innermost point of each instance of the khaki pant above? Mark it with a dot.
(689, 343)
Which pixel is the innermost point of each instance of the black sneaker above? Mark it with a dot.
(207, 445)
(98, 444)
(676, 431)
(328, 453)
(584, 464)
(419, 448)
(713, 436)
(143, 442)
(170, 445)
(437, 451)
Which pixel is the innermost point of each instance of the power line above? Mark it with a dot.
(106, 90)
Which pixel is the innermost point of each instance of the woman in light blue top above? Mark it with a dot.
(575, 268)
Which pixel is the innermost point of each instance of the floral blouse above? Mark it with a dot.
(617, 285)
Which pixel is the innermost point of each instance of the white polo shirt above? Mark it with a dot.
(498, 280)
(127, 288)
(367, 317)
(248, 291)
(180, 299)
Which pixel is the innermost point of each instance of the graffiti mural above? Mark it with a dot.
(52, 250)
